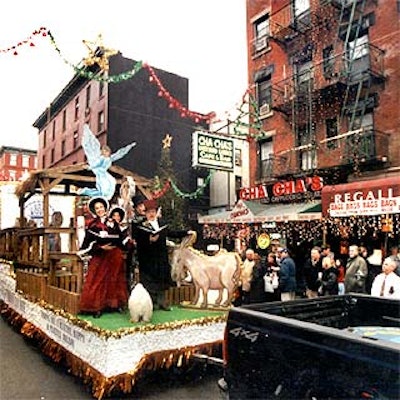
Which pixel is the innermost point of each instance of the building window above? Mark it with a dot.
(358, 56)
(301, 11)
(101, 89)
(307, 154)
(238, 157)
(238, 185)
(63, 148)
(100, 121)
(88, 97)
(43, 161)
(25, 160)
(54, 130)
(264, 94)
(328, 61)
(44, 138)
(331, 131)
(76, 116)
(64, 120)
(261, 33)
(266, 159)
(12, 175)
(75, 140)
(13, 159)
(52, 156)
(304, 74)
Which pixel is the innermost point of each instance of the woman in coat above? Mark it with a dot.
(329, 282)
(105, 283)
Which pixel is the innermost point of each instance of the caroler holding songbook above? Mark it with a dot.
(154, 268)
(105, 285)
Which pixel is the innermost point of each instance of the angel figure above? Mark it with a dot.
(99, 161)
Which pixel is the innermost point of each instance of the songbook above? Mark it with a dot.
(103, 237)
(152, 232)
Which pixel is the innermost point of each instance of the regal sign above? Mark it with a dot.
(381, 196)
(308, 188)
(215, 152)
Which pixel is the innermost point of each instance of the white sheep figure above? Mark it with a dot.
(140, 304)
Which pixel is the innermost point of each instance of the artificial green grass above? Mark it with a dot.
(115, 320)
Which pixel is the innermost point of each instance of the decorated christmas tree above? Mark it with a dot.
(172, 206)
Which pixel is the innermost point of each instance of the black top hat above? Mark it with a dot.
(138, 199)
(118, 210)
(95, 200)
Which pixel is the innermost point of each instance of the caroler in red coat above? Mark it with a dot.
(105, 282)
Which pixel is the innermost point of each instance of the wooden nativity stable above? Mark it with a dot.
(41, 272)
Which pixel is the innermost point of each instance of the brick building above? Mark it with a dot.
(325, 78)
(130, 110)
(16, 162)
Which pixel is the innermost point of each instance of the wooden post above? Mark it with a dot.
(46, 221)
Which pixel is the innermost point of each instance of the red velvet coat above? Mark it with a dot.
(105, 282)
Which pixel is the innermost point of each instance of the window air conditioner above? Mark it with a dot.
(265, 109)
(261, 43)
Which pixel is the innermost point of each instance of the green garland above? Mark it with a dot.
(197, 193)
(257, 125)
(82, 70)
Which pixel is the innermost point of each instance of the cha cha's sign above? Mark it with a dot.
(302, 189)
(215, 152)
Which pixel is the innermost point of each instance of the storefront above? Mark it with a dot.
(364, 213)
(287, 211)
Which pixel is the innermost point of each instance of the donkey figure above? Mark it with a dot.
(218, 272)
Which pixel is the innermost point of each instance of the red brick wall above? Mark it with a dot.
(384, 33)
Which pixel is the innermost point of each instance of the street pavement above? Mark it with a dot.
(25, 374)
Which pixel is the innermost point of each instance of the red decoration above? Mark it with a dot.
(28, 40)
(174, 103)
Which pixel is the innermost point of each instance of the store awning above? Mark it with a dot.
(368, 197)
(291, 212)
(255, 212)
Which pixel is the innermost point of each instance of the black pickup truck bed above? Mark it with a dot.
(307, 349)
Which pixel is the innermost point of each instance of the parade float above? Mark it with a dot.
(40, 286)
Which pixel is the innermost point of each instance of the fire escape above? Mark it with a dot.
(362, 70)
(349, 72)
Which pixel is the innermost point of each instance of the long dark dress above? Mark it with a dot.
(105, 283)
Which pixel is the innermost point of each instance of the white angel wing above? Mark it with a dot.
(123, 151)
(91, 145)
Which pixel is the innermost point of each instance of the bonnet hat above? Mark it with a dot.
(95, 200)
(118, 210)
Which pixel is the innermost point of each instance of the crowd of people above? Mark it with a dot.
(279, 277)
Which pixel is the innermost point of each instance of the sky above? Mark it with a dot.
(202, 40)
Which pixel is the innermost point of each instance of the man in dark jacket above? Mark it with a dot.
(152, 252)
(287, 276)
(311, 270)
